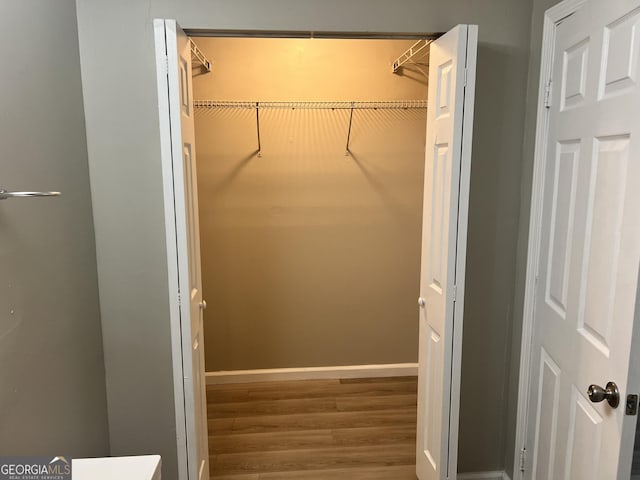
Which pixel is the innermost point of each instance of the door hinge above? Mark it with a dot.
(465, 76)
(523, 458)
(179, 299)
(455, 292)
(547, 94)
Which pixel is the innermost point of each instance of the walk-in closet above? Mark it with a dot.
(310, 171)
(310, 159)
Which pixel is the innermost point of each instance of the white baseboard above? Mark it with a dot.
(484, 476)
(312, 373)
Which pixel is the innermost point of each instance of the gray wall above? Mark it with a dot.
(117, 58)
(533, 83)
(52, 380)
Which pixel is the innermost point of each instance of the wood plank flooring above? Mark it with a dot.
(357, 429)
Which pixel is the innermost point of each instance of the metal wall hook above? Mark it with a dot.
(4, 194)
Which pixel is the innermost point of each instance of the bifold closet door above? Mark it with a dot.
(452, 64)
(187, 238)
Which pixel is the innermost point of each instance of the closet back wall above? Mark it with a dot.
(309, 257)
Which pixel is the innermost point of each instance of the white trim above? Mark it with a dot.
(552, 18)
(498, 475)
(172, 249)
(312, 373)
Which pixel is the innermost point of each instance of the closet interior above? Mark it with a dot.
(310, 157)
(310, 164)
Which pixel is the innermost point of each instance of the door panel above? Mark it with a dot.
(590, 247)
(583, 442)
(188, 239)
(547, 416)
(452, 62)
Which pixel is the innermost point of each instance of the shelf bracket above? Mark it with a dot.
(198, 57)
(413, 50)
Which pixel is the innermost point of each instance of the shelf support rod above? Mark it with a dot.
(347, 151)
(258, 128)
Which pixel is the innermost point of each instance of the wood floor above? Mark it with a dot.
(360, 429)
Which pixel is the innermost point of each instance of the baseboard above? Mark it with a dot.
(312, 373)
(484, 476)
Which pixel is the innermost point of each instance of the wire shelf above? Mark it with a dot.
(350, 106)
(341, 105)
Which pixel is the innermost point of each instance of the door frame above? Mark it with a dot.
(552, 18)
(173, 281)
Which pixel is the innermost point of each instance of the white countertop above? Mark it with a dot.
(143, 467)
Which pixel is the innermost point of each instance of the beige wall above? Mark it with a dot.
(309, 257)
(120, 98)
(52, 378)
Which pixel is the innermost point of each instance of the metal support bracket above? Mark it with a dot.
(258, 129)
(347, 152)
(413, 50)
(199, 57)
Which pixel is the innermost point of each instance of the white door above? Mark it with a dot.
(587, 273)
(187, 232)
(452, 62)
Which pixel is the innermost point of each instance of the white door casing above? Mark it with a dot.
(185, 279)
(447, 172)
(452, 62)
(588, 261)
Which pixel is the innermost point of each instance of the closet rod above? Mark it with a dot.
(380, 105)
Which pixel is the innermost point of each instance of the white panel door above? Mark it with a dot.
(587, 275)
(188, 243)
(452, 62)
